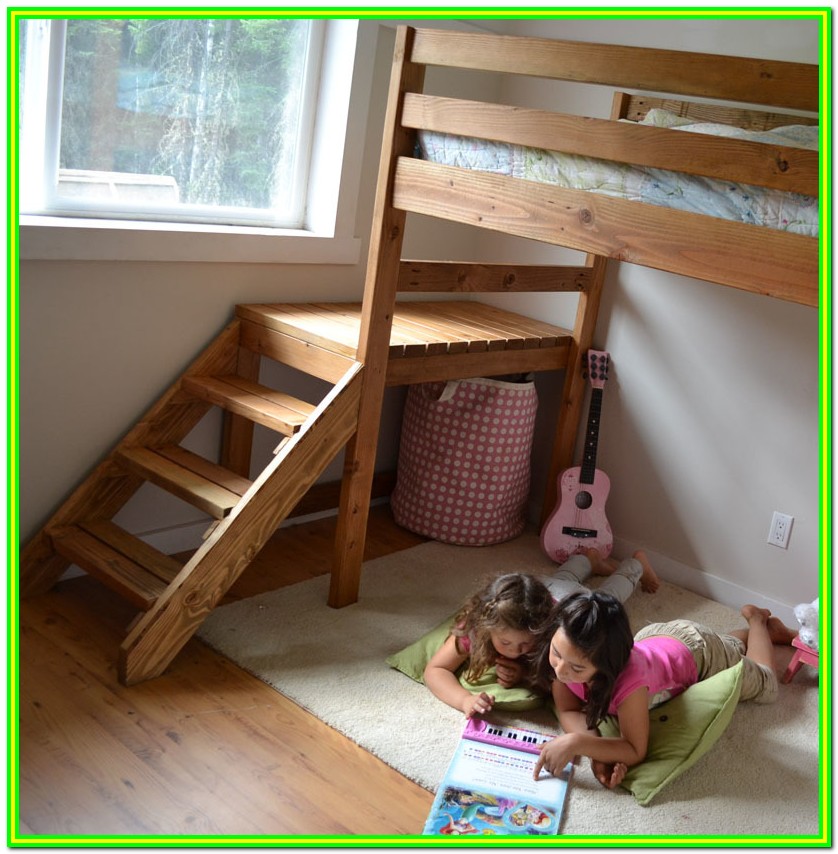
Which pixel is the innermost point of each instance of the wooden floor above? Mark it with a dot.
(205, 749)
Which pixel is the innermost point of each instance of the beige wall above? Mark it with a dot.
(710, 413)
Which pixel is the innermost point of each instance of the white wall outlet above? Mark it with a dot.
(778, 533)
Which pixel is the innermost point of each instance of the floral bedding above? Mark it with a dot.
(741, 202)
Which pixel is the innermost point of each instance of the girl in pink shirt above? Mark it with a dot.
(596, 668)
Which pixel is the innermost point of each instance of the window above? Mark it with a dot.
(329, 194)
(182, 119)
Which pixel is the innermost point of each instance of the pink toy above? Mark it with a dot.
(803, 655)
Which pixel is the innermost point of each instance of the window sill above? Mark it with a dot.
(65, 239)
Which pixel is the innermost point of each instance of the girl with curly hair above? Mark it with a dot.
(495, 627)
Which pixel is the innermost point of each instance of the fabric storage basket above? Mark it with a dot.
(464, 460)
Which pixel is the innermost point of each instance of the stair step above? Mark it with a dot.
(130, 567)
(205, 485)
(272, 409)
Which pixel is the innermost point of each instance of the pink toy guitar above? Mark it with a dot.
(578, 522)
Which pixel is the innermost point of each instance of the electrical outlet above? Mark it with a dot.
(778, 533)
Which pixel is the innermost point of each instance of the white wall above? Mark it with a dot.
(710, 413)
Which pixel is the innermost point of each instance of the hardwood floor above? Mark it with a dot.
(205, 749)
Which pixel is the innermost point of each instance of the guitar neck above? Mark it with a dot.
(588, 467)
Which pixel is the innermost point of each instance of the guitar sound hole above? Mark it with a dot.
(584, 500)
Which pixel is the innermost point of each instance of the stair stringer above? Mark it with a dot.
(162, 632)
(109, 487)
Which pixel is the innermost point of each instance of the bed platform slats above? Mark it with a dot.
(786, 85)
(419, 329)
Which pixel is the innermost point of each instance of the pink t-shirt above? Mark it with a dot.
(662, 664)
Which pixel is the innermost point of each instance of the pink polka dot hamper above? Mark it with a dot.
(464, 460)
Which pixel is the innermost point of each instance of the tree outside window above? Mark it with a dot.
(186, 118)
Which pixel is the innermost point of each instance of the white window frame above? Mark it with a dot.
(328, 233)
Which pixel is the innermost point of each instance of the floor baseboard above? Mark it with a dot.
(705, 584)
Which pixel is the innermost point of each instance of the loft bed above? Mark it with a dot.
(755, 95)
(363, 348)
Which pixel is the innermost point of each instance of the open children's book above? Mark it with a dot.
(489, 786)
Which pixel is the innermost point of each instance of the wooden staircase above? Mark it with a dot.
(359, 349)
(176, 597)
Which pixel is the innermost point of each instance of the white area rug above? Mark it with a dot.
(760, 779)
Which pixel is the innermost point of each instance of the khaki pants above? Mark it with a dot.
(714, 652)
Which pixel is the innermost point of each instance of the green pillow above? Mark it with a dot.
(681, 731)
(412, 660)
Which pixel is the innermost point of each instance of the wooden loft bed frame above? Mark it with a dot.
(362, 348)
(762, 260)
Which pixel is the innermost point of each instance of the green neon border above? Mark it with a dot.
(16, 839)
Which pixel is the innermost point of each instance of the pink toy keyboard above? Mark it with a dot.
(527, 740)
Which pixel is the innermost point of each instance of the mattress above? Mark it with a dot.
(763, 206)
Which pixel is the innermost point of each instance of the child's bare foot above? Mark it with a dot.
(649, 580)
(779, 632)
(599, 565)
(753, 614)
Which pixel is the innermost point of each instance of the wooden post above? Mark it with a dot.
(376, 321)
(573, 391)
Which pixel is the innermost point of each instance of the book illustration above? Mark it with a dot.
(489, 789)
